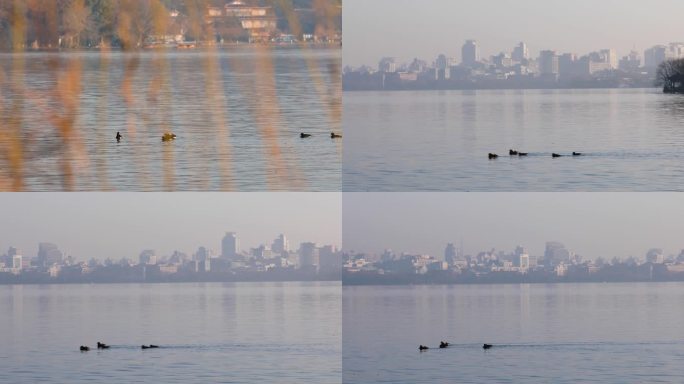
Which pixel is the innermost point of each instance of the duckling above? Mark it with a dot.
(334, 135)
(168, 136)
(304, 135)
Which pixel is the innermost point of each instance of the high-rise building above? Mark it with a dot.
(49, 254)
(280, 245)
(520, 53)
(655, 255)
(470, 53)
(450, 254)
(548, 63)
(555, 254)
(631, 62)
(308, 255)
(230, 245)
(148, 256)
(655, 55)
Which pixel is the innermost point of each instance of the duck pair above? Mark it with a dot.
(333, 135)
(558, 155)
(443, 344)
(513, 152)
(149, 346)
(102, 345)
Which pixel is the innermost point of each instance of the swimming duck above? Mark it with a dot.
(334, 135)
(512, 152)
(493, 156)
(576, 154)
(422, 348)
(83, 348)
(443, 344)
(304, 135)
(168, 136)
(522, 153)
(118, 137)
(102, 345)
(555, 155)
(486, 346)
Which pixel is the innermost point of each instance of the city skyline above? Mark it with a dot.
(591, 225)
(567, 27)
(116, 225)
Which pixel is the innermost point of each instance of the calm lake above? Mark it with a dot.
(631, 140)
(237, 113)
(555, 333)
(207, 333)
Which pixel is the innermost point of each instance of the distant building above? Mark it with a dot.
(230, 245)
(655, 55)
(631, 62)
(387, 65)
(470, 53)
(655, 255)
(520, 53)
(548, 63)
(450, 254)
(308, 255)
(49, 254)
(148, 257)
(555, 254)
(280, 244)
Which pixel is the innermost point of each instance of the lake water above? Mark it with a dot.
(237, 113)
(632, 140)
(557, 333)
(207, 333)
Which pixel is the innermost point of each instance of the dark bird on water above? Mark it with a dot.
(576, 154)
(522, 153)
(304, 135)
(149, 346)
(168, 136)
(334, 135)
(422, 348)
(118, 137)
(512, 152)
(84, 348)
(443, 344)
(102, 345)
(555, 155)
(486, 346)
(493, 156)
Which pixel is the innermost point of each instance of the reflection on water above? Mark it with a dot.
(237, 114)
(632, 139)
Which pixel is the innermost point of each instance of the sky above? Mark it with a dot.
(590, 224)
(120, 224)
(425, 28)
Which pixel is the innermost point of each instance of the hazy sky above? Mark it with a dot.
(590, 224)
(118, 224)
(425, 28)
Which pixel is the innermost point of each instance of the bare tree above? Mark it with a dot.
(670, 76)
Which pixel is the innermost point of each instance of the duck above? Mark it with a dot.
(334, 135)
(577, 154)
(493, 156)
(556, 155)
(522, 153)
(168, 136)
(304, 135)
(512, 152)
(443, 344)
(486, 346)
(149, 346)
(84, 348)
(118, 137)
(102, 345)
(422, 348)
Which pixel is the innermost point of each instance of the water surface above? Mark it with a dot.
(207, 333)
(632, 140)
(553, 333)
